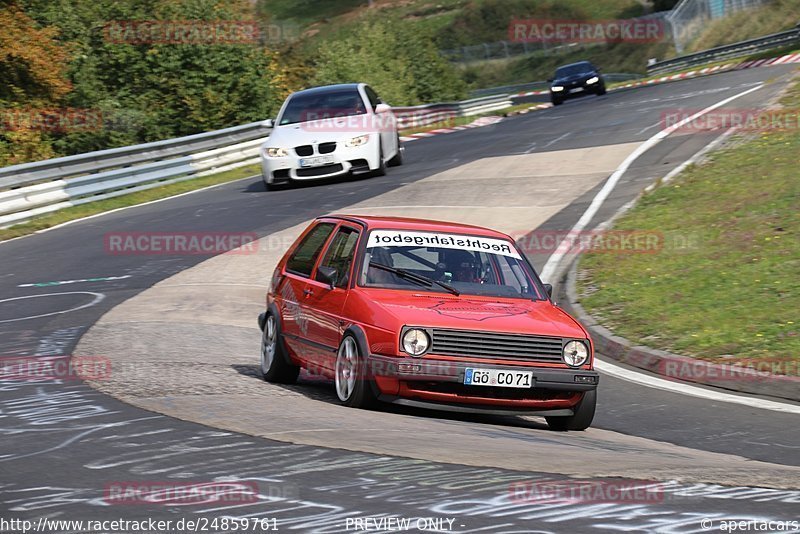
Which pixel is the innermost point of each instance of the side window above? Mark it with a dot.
(303, 259)
(372, 96)
(340, 254)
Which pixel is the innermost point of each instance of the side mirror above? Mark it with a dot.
(549, 289)
(383, 108)
(269, 123)
(327, 275)
(549, 80)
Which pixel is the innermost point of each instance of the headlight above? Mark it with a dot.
(575, 353)
(277, 152)
(416, 342)
(556, 88)
(593, 79)
(357, 141)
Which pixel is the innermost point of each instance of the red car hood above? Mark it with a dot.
(517, 316)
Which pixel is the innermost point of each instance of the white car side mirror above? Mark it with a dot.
(383, 108)
(269, 123)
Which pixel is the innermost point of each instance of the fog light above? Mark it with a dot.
(409, 368)
(585, 379)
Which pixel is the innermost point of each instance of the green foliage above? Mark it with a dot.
(151, 91)
(488, 20)
(398, 60)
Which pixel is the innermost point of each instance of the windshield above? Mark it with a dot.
(472, 265)
(322, 105)
(571, 70)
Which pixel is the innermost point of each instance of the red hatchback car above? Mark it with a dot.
(425, 313)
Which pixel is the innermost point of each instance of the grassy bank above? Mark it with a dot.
(140, 197)
(725, 287)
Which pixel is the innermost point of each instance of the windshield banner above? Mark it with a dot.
(401, 238)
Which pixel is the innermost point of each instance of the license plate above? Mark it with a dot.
(316, 161)
(498, 378)
(576, 90)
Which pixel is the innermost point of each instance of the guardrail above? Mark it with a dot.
(42, 187)
(415, 116)
(720, 53)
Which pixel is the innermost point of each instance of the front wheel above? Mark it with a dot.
(381, 170)
(397, 160)
(353, 386)
(274, 366)
(557, 101)
(581, 419)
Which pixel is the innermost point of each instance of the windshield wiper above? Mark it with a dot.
(413, 277)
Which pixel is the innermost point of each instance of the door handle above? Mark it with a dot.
(307, 292)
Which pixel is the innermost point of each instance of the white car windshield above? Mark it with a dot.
(305, 107)
(471, 265)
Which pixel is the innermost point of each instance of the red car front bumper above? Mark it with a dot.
(440, 384)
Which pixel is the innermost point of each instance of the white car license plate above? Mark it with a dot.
(576, 90)
(316, 161)
(498, 377)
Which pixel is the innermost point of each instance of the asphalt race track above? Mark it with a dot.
(182, 337)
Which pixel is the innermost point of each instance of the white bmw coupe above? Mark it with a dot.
(330, 131)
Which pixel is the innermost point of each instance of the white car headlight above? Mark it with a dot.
(593, 79)
(277, 152)
(357, 141)
(575, 353)
(556, 88)
(416, 342)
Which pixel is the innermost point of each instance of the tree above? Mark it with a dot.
(398, 60)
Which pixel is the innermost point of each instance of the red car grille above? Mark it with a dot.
(496, 345)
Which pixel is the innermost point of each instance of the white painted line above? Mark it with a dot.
(77, 281)
(677, 170)
(693, 391)
(555, 259)
(98, 297)
(557, 139)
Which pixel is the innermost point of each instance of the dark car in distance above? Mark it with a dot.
(575, 79)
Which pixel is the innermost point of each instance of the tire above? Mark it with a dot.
(602, 91)
(381, 170)
(557, 102)
(353, 385)
(397, 160)
(274, 366)
(581, 420)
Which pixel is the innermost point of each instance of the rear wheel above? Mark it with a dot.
(582, 418)
(274, 366)
(353, 386)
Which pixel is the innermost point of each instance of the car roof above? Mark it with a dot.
(575, 64)
(328, 88)
(373, 222)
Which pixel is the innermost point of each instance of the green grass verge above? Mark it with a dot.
(140, 197)
(725, 287)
